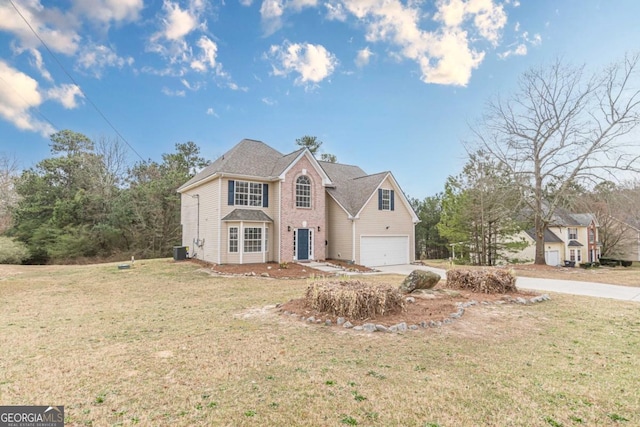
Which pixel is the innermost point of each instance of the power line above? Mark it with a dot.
(74, 82)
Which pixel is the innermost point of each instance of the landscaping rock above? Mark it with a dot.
(347, 325)
(382, 328)
(369, 327)
(419, 279)
(340, 320)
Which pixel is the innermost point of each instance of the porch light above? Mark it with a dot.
(288, 228)
(318, 229)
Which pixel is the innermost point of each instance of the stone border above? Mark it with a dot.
(403, 327)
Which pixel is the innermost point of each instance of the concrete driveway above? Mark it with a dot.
(623, 293)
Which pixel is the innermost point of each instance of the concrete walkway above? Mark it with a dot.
(600, 290)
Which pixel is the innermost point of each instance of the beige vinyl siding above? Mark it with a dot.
(209, 221)
(339, 231)
(374, 222)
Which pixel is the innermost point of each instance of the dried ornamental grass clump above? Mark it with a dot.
(354, 299)
(482, 281)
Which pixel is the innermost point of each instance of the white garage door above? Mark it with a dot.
(384, 250)
(552, 257)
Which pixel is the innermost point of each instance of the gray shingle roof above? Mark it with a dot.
(563, 217)
(574, 243)
(247, 215)
(248, 157)
(352, 186)
(549, 236)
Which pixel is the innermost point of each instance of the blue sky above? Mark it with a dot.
(385, 84)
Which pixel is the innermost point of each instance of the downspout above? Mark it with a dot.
(353, 239)
(219, 222)
(280, 228)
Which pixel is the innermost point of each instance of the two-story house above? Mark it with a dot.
(569, 239)
(255, 204)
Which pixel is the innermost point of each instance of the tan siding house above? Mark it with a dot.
(571, 239)
(255, 204)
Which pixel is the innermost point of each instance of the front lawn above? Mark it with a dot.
(167, 344)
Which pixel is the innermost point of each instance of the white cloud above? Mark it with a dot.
(39, 64)
(207, 58)
(269, 101)
(271, 12)
(178, 22)
(212, 112)
(312, 63)
(169, 92)
(444, 54)
(17, 97)
(66, 95)
(456, 60)
(335, 11)
(363, 57)
(110, 10)
(95, 58)
(246, 3)
(298, 5)
(54, 26)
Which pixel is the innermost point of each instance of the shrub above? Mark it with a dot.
(354, 299)
(587, 265)
(12, 251)
(484, 281)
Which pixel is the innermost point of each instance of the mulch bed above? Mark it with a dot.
(425, 308)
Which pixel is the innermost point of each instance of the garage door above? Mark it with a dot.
(384, 250)
(552, 257)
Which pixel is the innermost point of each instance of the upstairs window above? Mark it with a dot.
(573, 233)
(592, 235)
(244, 193)
(385, 199)
(303, 192)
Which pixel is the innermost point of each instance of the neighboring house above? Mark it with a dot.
(569, 237)
(255, 204)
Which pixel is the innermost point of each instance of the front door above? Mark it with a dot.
(302, 246)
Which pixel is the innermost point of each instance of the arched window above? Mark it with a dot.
(303, 192)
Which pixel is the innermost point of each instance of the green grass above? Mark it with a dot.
(166, 344)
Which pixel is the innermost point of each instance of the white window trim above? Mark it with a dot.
(237, 240)
(303, 197)
(569, 234)
(250, 186)
(255, 239)
(386, 198)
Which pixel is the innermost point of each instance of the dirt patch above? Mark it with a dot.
(348, 266)
(269, 269)
(437, 306)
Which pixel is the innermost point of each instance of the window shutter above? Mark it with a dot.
(231, 192)
(265, 195)
(392, 197)
(379, 199)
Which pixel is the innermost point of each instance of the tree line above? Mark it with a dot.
(561, 139)
(86, 202)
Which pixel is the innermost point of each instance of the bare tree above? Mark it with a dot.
(8, 195)
(561, 127)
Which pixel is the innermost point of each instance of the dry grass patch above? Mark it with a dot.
(622, 276)
(482, 281)
(354, 299)
(163, 344)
